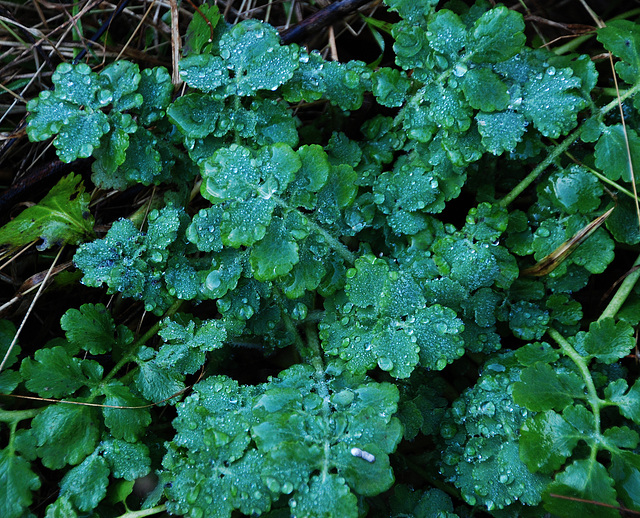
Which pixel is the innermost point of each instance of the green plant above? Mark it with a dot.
(335, 246)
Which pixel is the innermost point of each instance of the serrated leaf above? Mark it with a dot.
(395, 350)
(484, 90)
(447, 34)
(606, 340)
(438, 332)
(583, 480)
(276, 254)
(471, 264)
(90, 328)
(413, 11)
(61, 217)
(157, 383)
(623, 222)
(611, 153)
(125, 423)
(497, 35)
(17, 481)
(546, 441)
(204, 230)
(625, 470)
(527, 320)
(550, 103)
(542, 388)
(54, 374)
(390, 86)
(196, 115)
(629, 403)
(345, 83)
(311, 176)
(143, 161)
(121, 79)
(622, 39)
(536, 352)
(65, 434)
(574, 190)
(156, 90)
(366, 281)
(86, 485)
(61, 508)
(312, 501)
(109, 156)
(129, 461)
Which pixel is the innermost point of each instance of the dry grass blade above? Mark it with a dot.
(555, 258)
(31, 306)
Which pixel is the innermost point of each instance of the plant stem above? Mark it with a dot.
(531, 177)
(15, 416)
(335, 244)
(561, 148)
(144, 512)
(594, 401)
(623, 292)
(141, 341)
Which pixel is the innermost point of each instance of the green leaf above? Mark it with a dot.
(129, 461)
(9, 379)
(120, 79)
(204, 230)
(629, 403)
(276, 254)
(61, 508)
(484, 90)
(144, 161)
(157, 382)
(438, 332)
(235, 173)
(390, 86)
(366, 281)
(528, 321)
(611, 153)
(497, 35)
(413, 11)
(65, 434)
(606, 340)
(622, 39)
(196, 115)
(251, 58)
(625, 470)
(86, 485)
(312, 501)
(61, 217)
(17, 481)
(446, 32)
(156, 90)
(54, 373)
(90, 328)
(311, 176)
(204, 72)
(542, 388)
(199, 31)
(582, 480)
(623, 222)
(546, 441)
(574, 190)
(550, 103)
(473, 265)
(125, 423)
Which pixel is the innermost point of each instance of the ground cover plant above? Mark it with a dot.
(402, 288)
